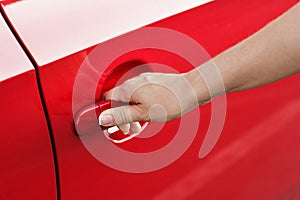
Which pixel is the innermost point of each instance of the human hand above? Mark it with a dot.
(157, 97)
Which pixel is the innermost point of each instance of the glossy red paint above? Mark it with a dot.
(27, 166)
(256, 156)
(6, 2)
(98, 21)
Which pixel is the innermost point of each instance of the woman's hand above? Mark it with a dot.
(157, 97)
(267, 56)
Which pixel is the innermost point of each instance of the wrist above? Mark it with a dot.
(198, 85)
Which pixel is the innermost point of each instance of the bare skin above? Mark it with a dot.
(269, 55)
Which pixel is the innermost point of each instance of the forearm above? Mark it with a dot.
(267, 56)
(270, 54)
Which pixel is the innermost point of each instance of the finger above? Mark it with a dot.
(116, 94)
(124, 128)
(119, 115)
(125, 91)
(135, 127)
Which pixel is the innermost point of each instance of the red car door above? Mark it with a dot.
(27, 166)
(256, 156)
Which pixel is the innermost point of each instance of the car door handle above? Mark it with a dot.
(86, 123)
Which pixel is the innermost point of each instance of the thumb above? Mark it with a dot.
(119, 115)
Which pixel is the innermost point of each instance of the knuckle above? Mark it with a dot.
(142, 115)
(121, 115)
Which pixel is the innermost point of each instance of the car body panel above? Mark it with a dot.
(27, 166)
(257, 154)
(98, 21)
(11, 67)
(6, 2)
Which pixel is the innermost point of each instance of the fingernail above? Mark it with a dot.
(105, 120)
(126, 133)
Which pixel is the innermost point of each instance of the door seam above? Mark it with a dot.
(41, 95)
